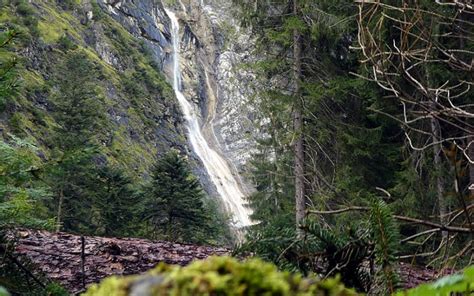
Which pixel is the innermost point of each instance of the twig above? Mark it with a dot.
(398, 217)
(83, 259)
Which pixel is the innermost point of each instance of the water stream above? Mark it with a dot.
(218, 169)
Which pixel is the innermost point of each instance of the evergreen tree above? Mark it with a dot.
(22, 194)
(78, 103)
(78, 113)
(343, 142)
(118, 203)
(8, 63)
(175, 201)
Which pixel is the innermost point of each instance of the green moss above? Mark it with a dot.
(111, 286)
(20, 123)
(108, 69)
(49, 32)
(130, 153)
(32, 78)
(6, 16)
(221, 276)
(140, 86)
(55, 24)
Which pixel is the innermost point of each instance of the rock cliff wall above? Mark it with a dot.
(129, 42)
(143, 117)
(213, 52)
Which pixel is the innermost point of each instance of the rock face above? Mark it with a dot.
(225, 88)
(143, 19)
(59, 256)
(129, 40)
(236, 121)
(212, 80)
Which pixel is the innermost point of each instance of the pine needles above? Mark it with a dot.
(386, 239)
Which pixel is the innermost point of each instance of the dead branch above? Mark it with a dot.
(398, 217)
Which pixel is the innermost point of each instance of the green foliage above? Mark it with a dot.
(65, 43)
(22, 195)
(227, 276)
(23, 8)
(223, 276)
(78, 102)
(343, 249)
(97, 12)
(54, 289)
(386, 238)
(78, 113)
(118, 203)
(175, 205)
(89, 170)
(14, 279)
(8, 63)
(67, 4)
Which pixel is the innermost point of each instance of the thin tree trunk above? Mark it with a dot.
(60, 210)
(471, 168)
(298, 129)
(437, 152)
(274, 178)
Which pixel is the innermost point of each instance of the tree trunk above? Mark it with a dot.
(298, 129)
(60, 210)
(437, 148)
(437, 151)
(471, 168)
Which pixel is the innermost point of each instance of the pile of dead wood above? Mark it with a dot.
(76, 261)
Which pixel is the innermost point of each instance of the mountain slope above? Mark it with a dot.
(143, 119)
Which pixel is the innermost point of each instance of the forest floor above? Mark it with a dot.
(76, 261)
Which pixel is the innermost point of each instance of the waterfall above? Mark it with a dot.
(217, 168)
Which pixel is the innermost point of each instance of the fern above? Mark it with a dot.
(386, 238)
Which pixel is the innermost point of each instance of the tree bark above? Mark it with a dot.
(60, 210)
(437, 149)
(437, 152)
(298, 129)
(471, 168)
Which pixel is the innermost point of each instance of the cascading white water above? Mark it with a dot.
(217, 168)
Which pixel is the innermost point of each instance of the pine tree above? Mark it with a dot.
(175, 206)
(22, 194)
(78, 106)
(78, 113)
(118, 203)
(8, 66)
